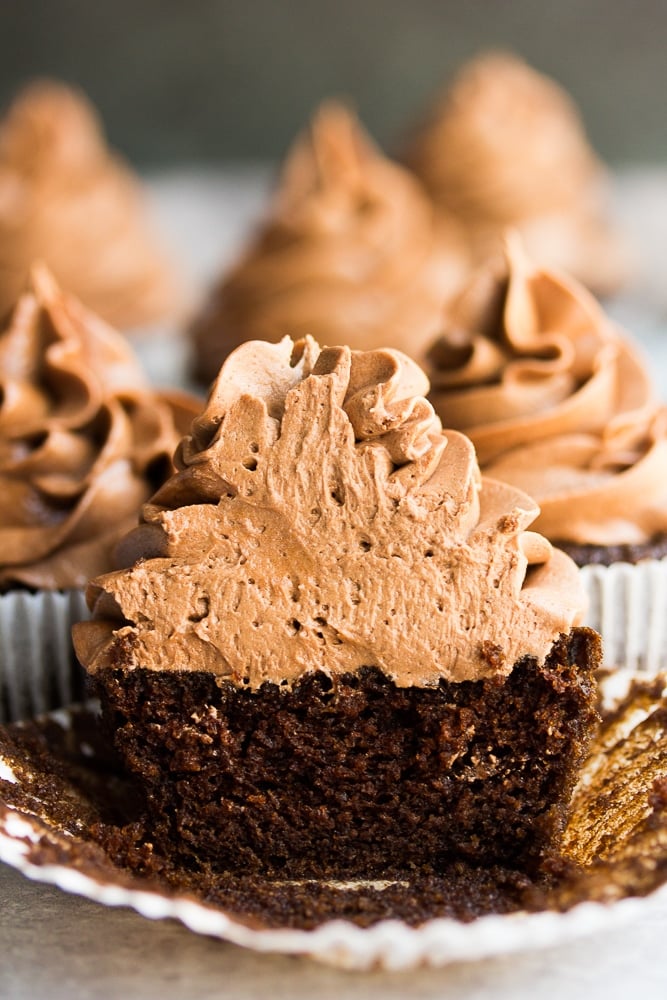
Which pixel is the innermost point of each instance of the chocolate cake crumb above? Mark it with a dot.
(354, 777)
(87, 814)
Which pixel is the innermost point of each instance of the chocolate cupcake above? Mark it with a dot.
(331, 631)
(351, 252)
(83, 443)
(67, 200)
(559, 403)
(505, 146)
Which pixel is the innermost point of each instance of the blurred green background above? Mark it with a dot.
(208, 80)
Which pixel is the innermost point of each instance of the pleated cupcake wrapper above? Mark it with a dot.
(38, 669)
(37, 841)
(628, 606)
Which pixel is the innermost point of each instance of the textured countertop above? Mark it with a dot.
(54, 945)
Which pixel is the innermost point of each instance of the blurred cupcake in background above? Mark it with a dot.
(351, 252)
(506, 146)
(561, 405)
(84, 442)
(68, 200)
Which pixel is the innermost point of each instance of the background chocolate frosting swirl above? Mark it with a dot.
(506, 146)
(350, 253)
(83, 440)
(321, 519)
(67, 200)
(556, 402)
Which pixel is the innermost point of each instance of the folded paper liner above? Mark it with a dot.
(60, 799)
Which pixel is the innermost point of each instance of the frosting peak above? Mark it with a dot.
(556, 402)
(506, 145)
(334, 172)
(382, 399)
(83, 440)
(322, 520)
(50, 127)
(349, 253)
(67, 200)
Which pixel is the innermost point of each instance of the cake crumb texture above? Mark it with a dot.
(355, 777)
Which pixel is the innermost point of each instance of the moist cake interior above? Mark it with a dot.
(356, 777)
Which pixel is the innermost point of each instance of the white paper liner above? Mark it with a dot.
(628, 606)
(38, 670)
(391, 944)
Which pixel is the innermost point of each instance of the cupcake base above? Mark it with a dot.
(627, 605)
(355, 777)
(38, 668)
(626, 586)
(607, 555)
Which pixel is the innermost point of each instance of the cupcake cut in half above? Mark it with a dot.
(351, 252)
(68, 200)
(505, 146)
(335, 649)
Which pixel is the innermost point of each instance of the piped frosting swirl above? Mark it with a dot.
(556, 402)
(67, 200)
(83, 440)
(506, 146)
(322, 520)
(349, 253)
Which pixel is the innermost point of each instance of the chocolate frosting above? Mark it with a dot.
(556, 402)
(67, 200)
(322, 520)
(83, 440)
(350, 253)
(506, 146)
